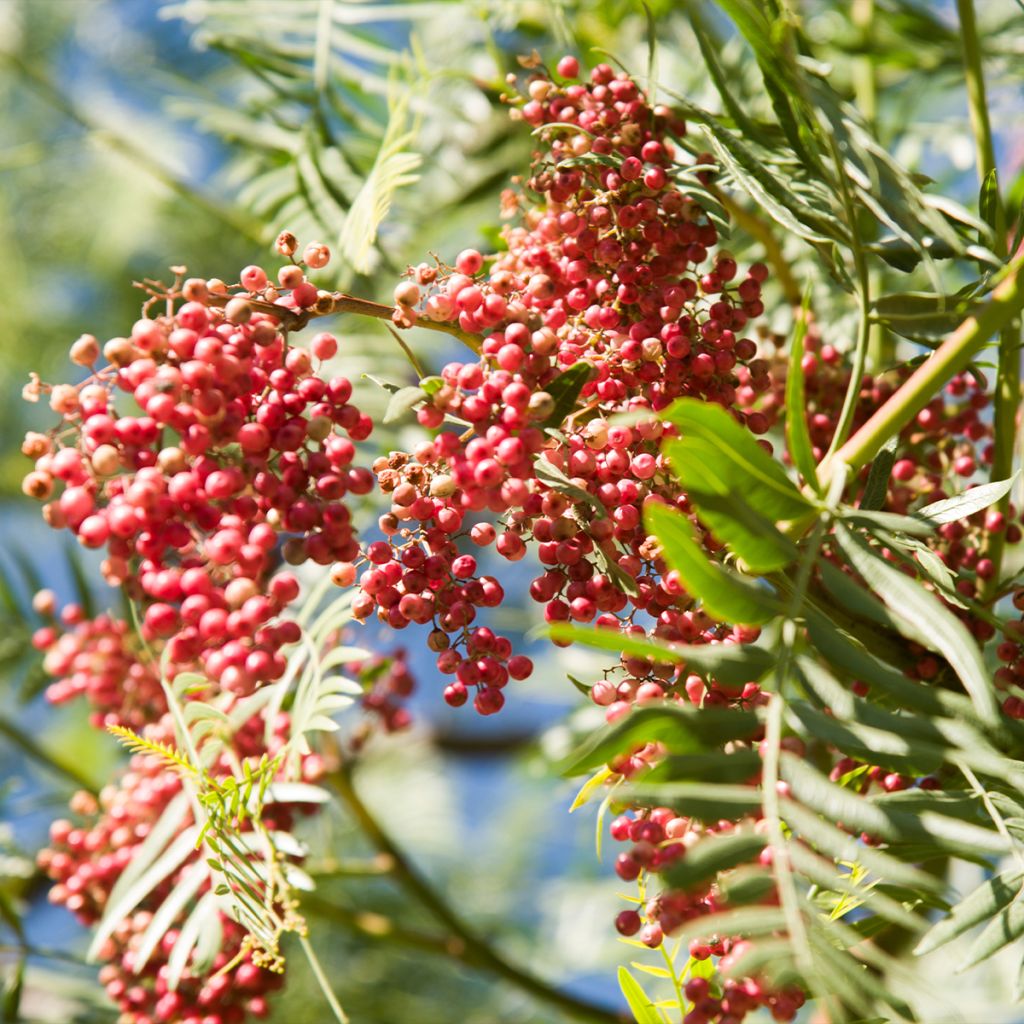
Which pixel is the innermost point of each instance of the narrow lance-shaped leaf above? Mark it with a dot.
(798, 436)
(742, 464)
(639, 1004)
(732, 664)
(724, 594)
(950, 510)
(681, 728)
(981, 905)
(565, 391)
(725, 509)
(928, 617)
(1005, 927)
(878, 476)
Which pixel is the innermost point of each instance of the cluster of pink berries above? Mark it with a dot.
(659, 837)
(608, 299)
(235, 448)
(99, 659)
(387, 682)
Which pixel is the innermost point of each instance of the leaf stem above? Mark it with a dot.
(321, 979)
(478, 951)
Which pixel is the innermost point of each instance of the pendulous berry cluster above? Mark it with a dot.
(610, 298)
(236, 447)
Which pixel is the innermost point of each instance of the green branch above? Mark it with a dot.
(27, 745)
(478, 952)
(1008, 377)
(949, 359)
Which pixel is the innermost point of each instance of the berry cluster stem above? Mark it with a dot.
(295, 320)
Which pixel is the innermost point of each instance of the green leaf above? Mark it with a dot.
(1007, 926)
(183, 891)
(709, 54)
(565, 390)
(739, 766)
(849, 654)
(712, 854)
(921, 315)
(703, 800)
(988, 198)
(951, 510)
(886, 523)
(727, 512)
(877, 485)
(731, 664)
(832, 801)
(928, 617)
(202, 932)
(402, 402)
(744, 466)
(177, 853)
(826, 837)
(980, 906)
(724, 594)
(682, 728)
(877, 746)
(557, 480)
(798, 438)
(640, 1005)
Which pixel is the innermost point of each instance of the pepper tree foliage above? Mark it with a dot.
(796, 567)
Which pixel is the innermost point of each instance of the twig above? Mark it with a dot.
(1008, 375)
(321, 978)
(478, 952)
(339, 302)
(29, 746)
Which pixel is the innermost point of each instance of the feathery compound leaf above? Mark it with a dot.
(930, 620)
(392, 169)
